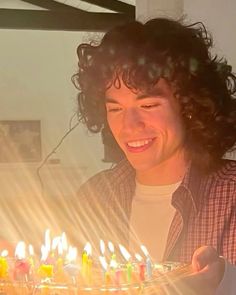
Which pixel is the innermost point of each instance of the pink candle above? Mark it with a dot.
(142, 271)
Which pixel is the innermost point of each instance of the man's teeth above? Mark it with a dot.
(139, 143)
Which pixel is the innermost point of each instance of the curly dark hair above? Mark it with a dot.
(140, 54)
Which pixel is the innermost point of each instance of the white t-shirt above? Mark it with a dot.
(151, 217)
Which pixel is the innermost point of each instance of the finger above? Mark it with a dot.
(203, 256)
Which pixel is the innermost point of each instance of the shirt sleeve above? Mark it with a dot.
(228, 283)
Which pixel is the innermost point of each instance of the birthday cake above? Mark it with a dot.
(60, 270)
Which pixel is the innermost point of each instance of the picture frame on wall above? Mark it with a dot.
(20, 141)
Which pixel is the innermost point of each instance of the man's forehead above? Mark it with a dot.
(161, 88)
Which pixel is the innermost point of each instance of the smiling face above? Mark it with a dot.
(147, 127)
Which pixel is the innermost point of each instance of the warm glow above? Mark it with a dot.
(103, 262)
(88, 249)
(138, 257)
(31, 250)
(47, 240)
(64, 241)
(124, 252)
(71, 256)
(44, 253)
(55, 243)
(20, 251)
(111, 247)
(4, 253)
(145, 251)
(102, 247)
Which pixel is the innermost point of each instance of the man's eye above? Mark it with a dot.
(113, 110)
(150, 106)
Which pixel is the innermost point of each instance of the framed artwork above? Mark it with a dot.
(20, 141)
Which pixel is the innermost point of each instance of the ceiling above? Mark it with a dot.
(67, 15)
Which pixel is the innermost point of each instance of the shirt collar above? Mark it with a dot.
(190, 185)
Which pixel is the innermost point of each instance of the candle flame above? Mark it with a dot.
(31, 250)
(111, 247)
(103, 262)
(47, 239)
(113, 263)
(138, 257)
(145, 251)
(102, 247)
(72, 254)
(44, 253)
(124, 252)
(20, 250)
(88, 249)
(55, 242)
(60, 247)
(4, 253)
(64, 241)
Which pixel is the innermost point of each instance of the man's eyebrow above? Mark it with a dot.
(111, 100)
(154, 92)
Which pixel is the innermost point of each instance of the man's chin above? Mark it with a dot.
(140, 165)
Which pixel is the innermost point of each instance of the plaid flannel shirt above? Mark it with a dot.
(205, 210)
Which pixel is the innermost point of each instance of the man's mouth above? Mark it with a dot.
(139, 145)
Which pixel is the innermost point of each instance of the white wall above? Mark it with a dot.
(220, 18)
(35, 72)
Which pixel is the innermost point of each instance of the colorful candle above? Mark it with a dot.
(102, 247)
(106, 273)
(141, 267)
(3, 265)
(87, 262)
(22, 266)
(45, 270)
(148, 261)
(70, 267)
(129, 266)
(149, 267)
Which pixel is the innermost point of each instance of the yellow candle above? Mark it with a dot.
(89, 270)
(45, 271)
(3, 268)
(84, 263)
(107, 278)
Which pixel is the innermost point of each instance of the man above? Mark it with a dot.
(168, 108)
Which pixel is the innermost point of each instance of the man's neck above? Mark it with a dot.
(167, 172)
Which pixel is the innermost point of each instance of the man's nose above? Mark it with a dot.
(133, 121)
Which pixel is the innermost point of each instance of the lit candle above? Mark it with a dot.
(31, 256)
(47, 240)
(107, 276)
(129, 266)
(64, 242)
(114, 265)
(70, 266)
(112, 250)
(22, 267)
(102, 247)
(3, 265)
(31, 261)
(48, 247)
(59, 267)
(148, 262)
(45, 270)
(87, 262)
(141, 266)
